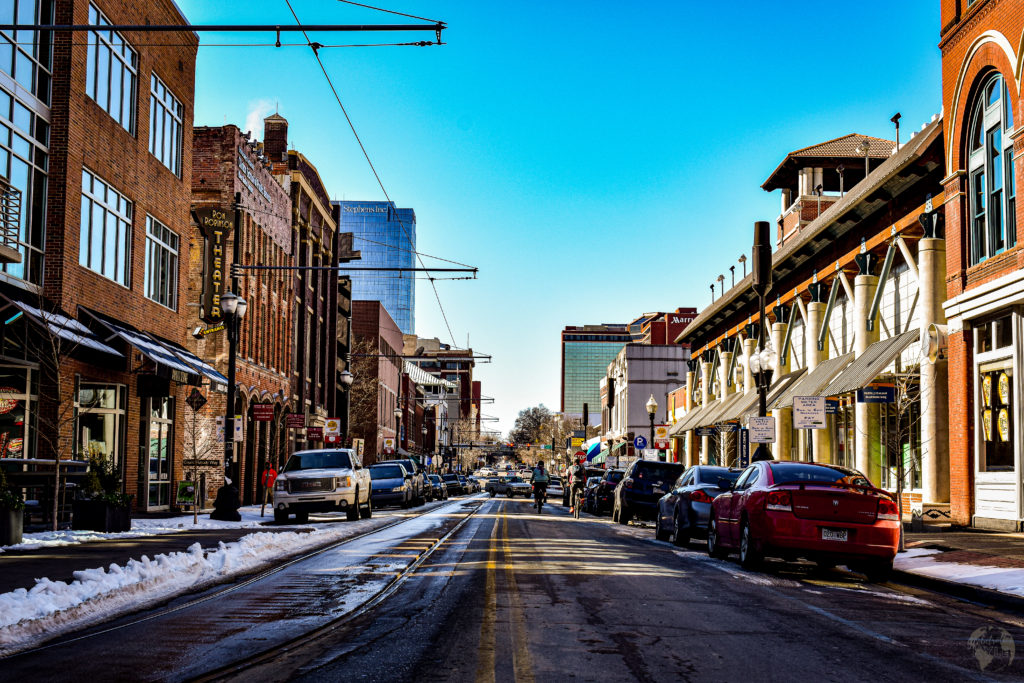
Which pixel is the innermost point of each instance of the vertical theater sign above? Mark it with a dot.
(215, 223)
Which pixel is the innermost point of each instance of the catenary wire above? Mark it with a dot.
(389, 11)
(366, 154)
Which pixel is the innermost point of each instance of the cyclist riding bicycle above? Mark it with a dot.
(540, 481)
(578, 483)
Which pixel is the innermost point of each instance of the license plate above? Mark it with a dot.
(835, 534)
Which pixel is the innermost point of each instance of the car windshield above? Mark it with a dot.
(434, 478)
(387, 472)
(658, 471)
(407, 464)
(615, 477)
(318, 460)
(805, 473)
(450, 477)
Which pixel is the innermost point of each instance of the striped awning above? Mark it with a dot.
(685, 424)
(876, 358)
(813, 382)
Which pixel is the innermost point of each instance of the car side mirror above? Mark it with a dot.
(408, 476)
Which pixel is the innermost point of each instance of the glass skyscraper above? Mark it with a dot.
(586, 352)
(386, 237)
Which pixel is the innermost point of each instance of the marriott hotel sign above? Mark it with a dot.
(216, 225)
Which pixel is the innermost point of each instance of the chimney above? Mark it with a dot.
(275, 137)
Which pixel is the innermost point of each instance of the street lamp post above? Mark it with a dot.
(652, 408)
(398, 427)
(234, 308)
(762, 362)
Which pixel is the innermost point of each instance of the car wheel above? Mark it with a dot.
(750, 554)
(367, 511)
(280, 517)
(624, 514)
(302, 517)
(680, 537)
(714, 549)
(352, 512)
(658, 532)
(878, 571)
(510, 494)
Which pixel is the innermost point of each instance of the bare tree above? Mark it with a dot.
(364, 393)
(200, 443)
(907, 422)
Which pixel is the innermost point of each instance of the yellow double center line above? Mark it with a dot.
(522, 664)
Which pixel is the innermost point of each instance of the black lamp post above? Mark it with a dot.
(234, 308)
(762, 363)
(652, 408)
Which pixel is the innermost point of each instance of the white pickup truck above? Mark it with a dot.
(328, 480)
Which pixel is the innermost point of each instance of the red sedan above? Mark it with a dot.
(826, 513)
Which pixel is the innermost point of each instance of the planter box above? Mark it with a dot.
(11, 524)
(99, 515)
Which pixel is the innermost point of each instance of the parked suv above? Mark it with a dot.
(642, 486)
(422, 491)
(604, 494)
(322, 481)
(392, 485)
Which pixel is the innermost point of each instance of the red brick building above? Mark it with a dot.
(982, 48)
(372, 323)
(225, 162)
(102, 158)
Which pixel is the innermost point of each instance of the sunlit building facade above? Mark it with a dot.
(586, 352)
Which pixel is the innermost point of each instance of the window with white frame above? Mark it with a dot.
(161, 263)
(106, 225)
(111, 78)
(991, 187)
(165, 112)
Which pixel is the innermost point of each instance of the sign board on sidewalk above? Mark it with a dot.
(314, 433)
(640, 442)
(744, 447)
(762, 430)
(263, 412)
(295, 420)
(877, 392)
(186, 493)
(359, 445)
(650, 454)
(808, 412)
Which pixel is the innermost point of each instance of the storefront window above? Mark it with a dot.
(160, 450)
(99, 417)
(16, 408)
(996, 434)
(901, 441)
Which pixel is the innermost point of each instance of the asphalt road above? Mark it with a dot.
(507, 595)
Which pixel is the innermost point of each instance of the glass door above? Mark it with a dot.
(161, 450)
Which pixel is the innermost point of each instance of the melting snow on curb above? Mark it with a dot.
(922, 561)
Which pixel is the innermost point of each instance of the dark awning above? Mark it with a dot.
(172, 361)
(871, 363)
(54, 322)
(813, 382)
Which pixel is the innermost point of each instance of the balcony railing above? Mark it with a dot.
(10, 222)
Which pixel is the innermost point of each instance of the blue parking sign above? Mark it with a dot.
(640, 443)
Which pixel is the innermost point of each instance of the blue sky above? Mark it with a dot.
(595, 160)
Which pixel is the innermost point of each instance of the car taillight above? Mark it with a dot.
(779, 500)
(888, 510)
(699, 496)
(627, 483)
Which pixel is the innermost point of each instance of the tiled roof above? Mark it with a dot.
(846, 146)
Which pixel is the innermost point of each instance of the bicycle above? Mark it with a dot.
(577, 503)
(540, 495)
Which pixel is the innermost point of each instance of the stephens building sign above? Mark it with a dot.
(216, 225)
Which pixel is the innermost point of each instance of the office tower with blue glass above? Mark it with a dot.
(386, 237)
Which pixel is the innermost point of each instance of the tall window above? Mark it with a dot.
(106, 229)
(992, 190)
(161, 263)
(165, 125)
(99, 418)
(27, 56)
(112, 72)
(24, 135)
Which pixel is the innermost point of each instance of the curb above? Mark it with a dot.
(977, 594)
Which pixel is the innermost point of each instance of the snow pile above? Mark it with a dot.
(52, 607)
(922, 561)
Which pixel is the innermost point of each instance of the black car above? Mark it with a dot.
(642, 486)
(684, 511)
(390, 484)
(439, 487)
(604, 495)
(421, 489)
(455, 487)
(589, 494)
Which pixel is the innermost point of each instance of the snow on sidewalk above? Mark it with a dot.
(28, 616)
(140, 528)
(922, 561)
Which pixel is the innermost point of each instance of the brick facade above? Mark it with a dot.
(976, 41)
(371, 322)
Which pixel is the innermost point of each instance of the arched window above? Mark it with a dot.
(991, 189)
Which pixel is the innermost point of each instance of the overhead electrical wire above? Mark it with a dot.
(366, 155)
(390, 11)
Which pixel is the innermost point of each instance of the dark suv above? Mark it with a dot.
(421, 488)
(604, 494)
(642, 486)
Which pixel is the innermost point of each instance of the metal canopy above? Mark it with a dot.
(714, 416)
(684, 424)
(813, 382)
(871, 363)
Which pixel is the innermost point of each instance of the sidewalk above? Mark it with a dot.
(984, 566)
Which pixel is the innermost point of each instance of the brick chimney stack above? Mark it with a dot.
(275, 137)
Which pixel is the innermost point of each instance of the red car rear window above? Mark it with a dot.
(803, 473)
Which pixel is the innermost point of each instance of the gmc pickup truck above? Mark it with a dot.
(509, 486)
(329, 480)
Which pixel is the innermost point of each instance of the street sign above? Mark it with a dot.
(359, 445)
(831, 406)
(579, 434)
(196, 400)
(263, 412)
(295, 421)
(728, 426)
(660, 433)
(744, 447)
(577, 441)
(762, 430)
(706, 431)
(877, 392)
(220, 429)
(332, 426)
(239, 429)
(581, 454)
(650, 454)
(808, 412)
(186, 493)
(314, 433)
(640, 442)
